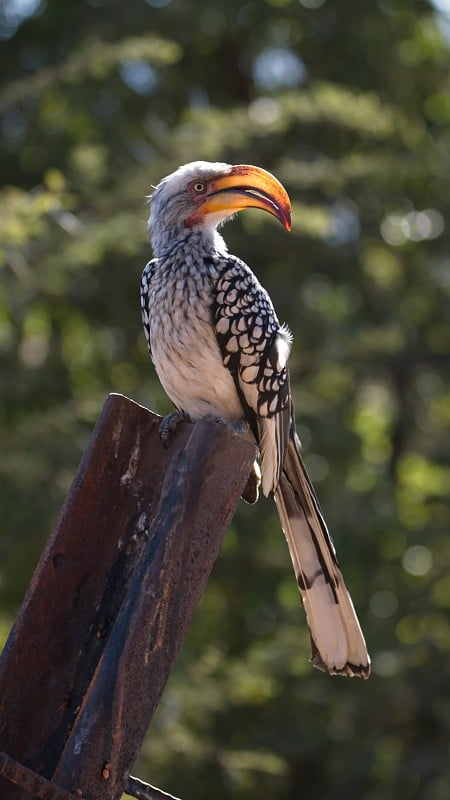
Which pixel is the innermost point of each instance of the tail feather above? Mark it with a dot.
(337, 642)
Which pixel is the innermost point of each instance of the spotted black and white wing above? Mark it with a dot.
(146, 279)
(255, 348)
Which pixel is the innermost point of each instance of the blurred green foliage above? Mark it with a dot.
(349, 105)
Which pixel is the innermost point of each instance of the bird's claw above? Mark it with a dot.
(169, 424)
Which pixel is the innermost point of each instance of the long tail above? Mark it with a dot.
(337, 642)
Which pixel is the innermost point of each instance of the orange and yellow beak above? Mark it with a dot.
(246, 186)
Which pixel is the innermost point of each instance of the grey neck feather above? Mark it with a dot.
(201, 239)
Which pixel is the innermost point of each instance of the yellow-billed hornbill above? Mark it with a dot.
(219, 350)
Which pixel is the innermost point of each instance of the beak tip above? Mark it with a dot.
(286, 221)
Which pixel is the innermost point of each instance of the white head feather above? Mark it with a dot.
(171, 204)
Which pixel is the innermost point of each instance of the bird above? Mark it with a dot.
(219, 351)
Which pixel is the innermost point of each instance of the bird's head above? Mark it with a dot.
(202, 195)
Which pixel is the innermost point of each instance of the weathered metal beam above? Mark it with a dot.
(34, 784)
(113, 595)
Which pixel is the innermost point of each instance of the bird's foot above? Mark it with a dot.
(169, 424)
(241, 426)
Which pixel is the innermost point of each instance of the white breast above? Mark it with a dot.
(186, 354)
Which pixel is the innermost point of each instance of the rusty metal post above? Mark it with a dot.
(113, 595)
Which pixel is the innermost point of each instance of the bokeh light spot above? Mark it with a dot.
(385, 664)
(383, 604)
(276, 67)
(139, 76)
(417, 560)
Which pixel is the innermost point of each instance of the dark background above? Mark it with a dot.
(348, 103)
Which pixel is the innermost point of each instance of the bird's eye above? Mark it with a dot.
(199, 187)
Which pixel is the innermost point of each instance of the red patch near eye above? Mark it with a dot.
(193, 219)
